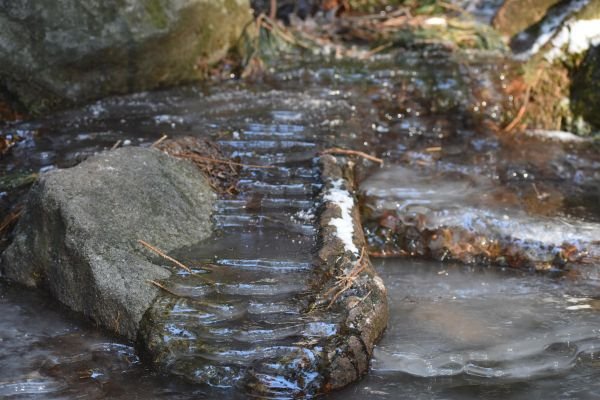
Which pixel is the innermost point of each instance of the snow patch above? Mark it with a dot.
(580, 307)
(549, 27)
(575, 37)
(343, 225)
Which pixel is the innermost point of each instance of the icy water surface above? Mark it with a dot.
(461, 332)
(455, 333)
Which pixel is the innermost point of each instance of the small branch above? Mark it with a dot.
(345, 282)
(117, 144)
(273, 10)
(163, 255)
(159, 141)
(10, 219)
(510, 127)
(376, 50)
(163, 287)
(337, 150)
(521, 113)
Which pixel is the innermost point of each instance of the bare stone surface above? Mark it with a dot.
(78, 236)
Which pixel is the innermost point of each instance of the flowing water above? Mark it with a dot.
(455, 331)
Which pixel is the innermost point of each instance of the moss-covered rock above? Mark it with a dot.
(561, 70)
(585, 90)
(57, 53)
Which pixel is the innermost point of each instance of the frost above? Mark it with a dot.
(304, 215)
(559, 136)
(580, 307)
(343, 225)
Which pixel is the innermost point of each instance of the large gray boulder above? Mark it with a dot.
(78, 236)
(60, 52)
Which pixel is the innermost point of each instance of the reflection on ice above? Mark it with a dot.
(457, 332)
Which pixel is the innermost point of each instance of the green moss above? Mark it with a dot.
(591, 11)
(461, 33)
(585, 93)
(17, 180)
(156, 13)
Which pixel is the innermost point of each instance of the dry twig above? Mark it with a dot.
(163, 287)
(273, 10)
(10, 219)
(163, 255)
(523, 109)
(337, 150)
(159, 141)
(117, 144)
(193, 156)
(345, 282)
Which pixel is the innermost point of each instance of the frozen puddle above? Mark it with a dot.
(471, 332)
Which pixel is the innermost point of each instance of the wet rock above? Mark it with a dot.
(78, 233)
(516, 15)
(59, 52)
(445, 218)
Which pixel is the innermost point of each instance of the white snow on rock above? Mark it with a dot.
(344, 225)
(549, 28)
(575, 37)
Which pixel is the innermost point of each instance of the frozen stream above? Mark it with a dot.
(456, 332)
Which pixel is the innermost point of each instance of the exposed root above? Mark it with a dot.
(337, 150)
(345, 282)
(513, 124)
(163, 255)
